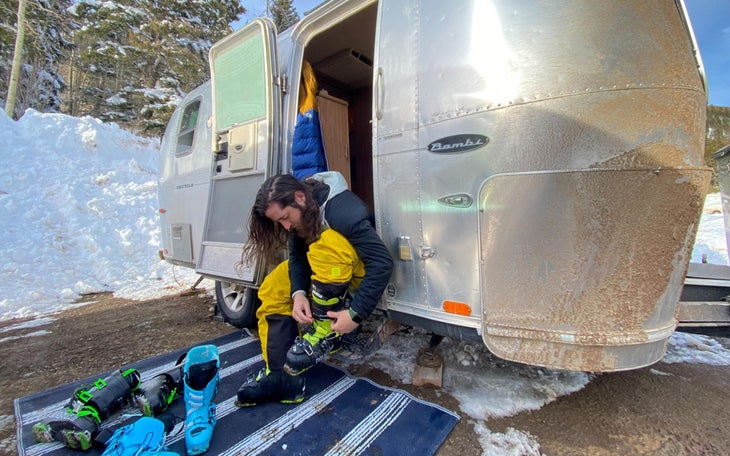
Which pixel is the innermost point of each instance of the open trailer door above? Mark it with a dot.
(246, 119)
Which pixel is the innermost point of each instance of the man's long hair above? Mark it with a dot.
(266, 237)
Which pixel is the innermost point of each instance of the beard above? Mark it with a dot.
(309, 225)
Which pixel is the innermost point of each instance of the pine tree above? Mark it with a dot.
(46, 45)
(283, 14)
(135, 59)
(718, 133)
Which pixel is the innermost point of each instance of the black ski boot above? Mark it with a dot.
(319, 340)
(87, 409)
(157, 393)
(274, 385)
(106, 396)
(308, 350)
(76, 431)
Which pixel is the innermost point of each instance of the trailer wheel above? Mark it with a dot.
(237, 304)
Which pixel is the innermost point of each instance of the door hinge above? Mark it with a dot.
(281, 81)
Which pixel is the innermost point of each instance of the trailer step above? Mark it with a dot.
(704, 313)
(704, 300)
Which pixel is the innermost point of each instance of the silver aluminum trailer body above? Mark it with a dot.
(184, 178)
(535, 168)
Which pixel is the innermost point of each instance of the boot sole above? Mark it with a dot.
(289, 370)
(297, 400)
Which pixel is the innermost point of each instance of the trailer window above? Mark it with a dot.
(186, 135)
(241, 82)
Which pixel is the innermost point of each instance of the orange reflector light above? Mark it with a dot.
(458, 308)
(162, 210)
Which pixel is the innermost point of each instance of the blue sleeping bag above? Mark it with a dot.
(307, 150)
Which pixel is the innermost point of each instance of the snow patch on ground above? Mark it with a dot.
(33, 334)
(470, 371)
(28, 324)
(510, 443)
(710, 244)
(660, 373)
(696, 348)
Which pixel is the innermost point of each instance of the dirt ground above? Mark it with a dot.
(685, 412)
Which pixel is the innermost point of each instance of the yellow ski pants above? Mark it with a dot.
(333, 260)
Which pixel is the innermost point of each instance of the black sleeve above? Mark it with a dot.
(300, 272)
(349, 215)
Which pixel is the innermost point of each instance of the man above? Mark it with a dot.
(333, 248)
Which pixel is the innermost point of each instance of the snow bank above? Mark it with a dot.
(78, 214)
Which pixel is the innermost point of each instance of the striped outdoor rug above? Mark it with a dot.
(342, 415)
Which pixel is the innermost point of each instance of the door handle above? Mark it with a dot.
(378, 93)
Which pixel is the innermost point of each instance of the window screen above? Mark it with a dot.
(186, 135)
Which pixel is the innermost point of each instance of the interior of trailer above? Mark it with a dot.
(342, 58)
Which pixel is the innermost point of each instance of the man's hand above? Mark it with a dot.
(341, 321)
(301, 310)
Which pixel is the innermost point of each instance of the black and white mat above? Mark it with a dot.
(342, 415)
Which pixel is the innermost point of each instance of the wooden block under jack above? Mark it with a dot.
(387, 329)
(429, 368)
(194, 290)
(190, 292)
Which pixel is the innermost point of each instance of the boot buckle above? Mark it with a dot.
(308, 348)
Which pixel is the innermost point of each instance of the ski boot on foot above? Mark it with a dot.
(270, 386)
(319, 340)
(200, 382)
(88, 408)
(308, 351)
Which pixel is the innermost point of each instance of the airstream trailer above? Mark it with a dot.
(536, 168)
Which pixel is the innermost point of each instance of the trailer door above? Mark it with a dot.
(246, 119)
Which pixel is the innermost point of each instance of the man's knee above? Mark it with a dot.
(274, 292)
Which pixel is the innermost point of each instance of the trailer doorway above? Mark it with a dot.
(341, 55)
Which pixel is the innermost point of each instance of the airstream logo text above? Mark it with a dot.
(457, 143)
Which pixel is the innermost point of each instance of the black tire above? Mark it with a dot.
(236, 305)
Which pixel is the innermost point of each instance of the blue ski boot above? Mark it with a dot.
(146, 436)
(200, 380)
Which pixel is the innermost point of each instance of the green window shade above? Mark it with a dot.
(240, 80)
